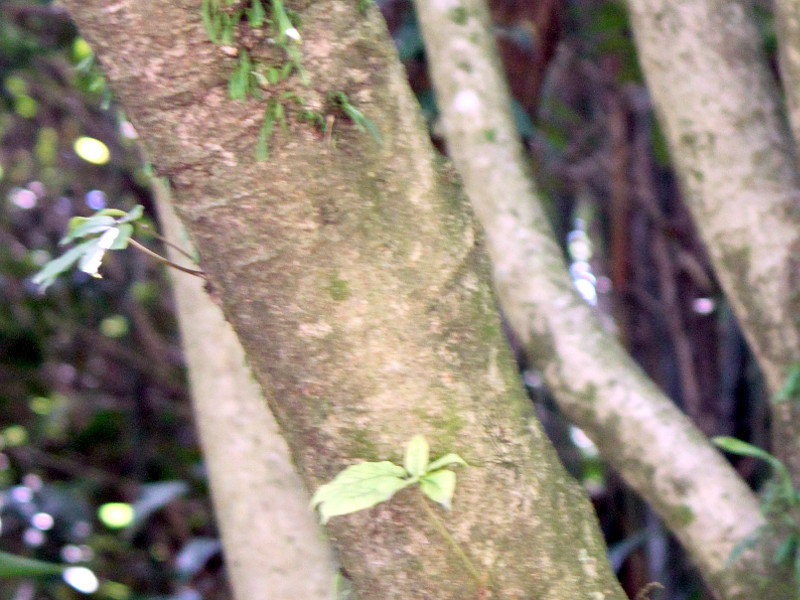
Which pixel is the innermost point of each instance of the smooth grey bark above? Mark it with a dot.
(271, 539)
(658, 451)
(357, 281)
(720, 108)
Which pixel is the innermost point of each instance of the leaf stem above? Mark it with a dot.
(166, 242)
(468, 565)
(161, 259)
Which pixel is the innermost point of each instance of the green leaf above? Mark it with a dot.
(784, 551)
(736, 446)
(358, 118)
(80, 227)
(133, 214)
(791, 388)
(447, 459)
(240, 78)
(12, 565)
(227, 26)
(256, 14)
(439, 486)
(125, 232)
(209, 22)
(416, 456)
(358, 487)
(55, 267)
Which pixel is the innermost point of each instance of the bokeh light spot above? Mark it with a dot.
(42, 521)
(116, 515)
(96, 199)
(82, 579)
(92, 150)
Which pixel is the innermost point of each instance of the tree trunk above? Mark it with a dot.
(270, 538)
(358, 284)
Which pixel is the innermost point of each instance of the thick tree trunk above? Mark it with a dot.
(270, 538)
(358, 284)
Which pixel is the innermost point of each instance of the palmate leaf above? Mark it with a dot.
(358, 487)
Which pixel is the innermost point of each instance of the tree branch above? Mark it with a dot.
(720, 107)
(638, 429)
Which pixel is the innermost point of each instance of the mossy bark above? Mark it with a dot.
(637, 428)
(271, 540)
(357, 281)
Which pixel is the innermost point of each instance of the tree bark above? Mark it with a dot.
(270, 538)
(358, 284)
(658, 451)
(714, 93)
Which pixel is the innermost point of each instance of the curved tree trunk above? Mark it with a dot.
(357, 282)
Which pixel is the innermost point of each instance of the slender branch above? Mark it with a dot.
(166, 261)
(166, 242)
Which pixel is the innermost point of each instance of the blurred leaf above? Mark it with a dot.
(416, 456)
(256, 14)
(785, 550)
(791, 388)
(12, 565)
(447, 459)
(439, 486)
(155, 496)
(80, 227)
(195, 554)
(358, 487)
(55, 267)
(741, 448)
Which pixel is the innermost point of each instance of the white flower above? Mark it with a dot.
(293, 34)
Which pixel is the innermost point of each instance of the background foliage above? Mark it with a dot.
(93, 401)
